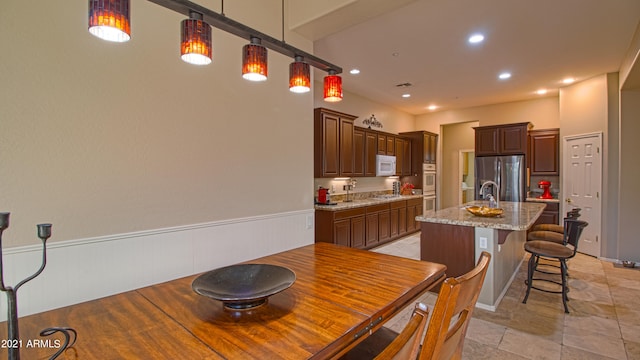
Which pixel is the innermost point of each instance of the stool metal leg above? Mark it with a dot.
(531, 268)
(565, 298)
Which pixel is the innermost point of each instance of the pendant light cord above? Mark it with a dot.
(282, 7)
(222, 8)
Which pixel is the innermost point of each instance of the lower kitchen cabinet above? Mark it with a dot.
(550, 214)
(414, 208)
(367, 226)
(378, 224)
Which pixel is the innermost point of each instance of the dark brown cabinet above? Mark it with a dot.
(403, 156)
(423, 145)
(347, 160)
(370, 152)
(344, 227)
(359, 152)
(414, 208)
(378, 224)
(333, 143)
(382, 144)
(550, 214)
(508, 139)
(430, 146)
(368, 226)
(544, 153)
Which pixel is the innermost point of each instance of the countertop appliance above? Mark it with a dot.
(545, 186)
(506, 171)
(385, 165)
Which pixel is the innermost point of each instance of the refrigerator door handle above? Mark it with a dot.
(499, 178)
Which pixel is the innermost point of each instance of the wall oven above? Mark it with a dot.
(429, 179)
(428, 203)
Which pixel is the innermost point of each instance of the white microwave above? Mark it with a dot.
(385, 165)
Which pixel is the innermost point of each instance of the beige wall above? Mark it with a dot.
(101, 138)
(629, 241)
(455, 137)
(542, 113)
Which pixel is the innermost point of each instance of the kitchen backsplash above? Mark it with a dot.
(363, 185)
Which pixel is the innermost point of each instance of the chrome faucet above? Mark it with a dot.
(497, 199)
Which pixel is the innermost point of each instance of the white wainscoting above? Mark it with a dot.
(87, 269)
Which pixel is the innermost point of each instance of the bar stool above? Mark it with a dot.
(548, 249)
(552, 232)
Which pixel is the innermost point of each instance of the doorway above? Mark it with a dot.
(582, 186)
(466, 176)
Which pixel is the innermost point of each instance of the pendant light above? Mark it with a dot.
(254, 61)
(195, 44)
(109, 20)
(299, 76)
(332, 87)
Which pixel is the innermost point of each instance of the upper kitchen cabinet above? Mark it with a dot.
(424, 145)
(333, 143)
(508, 139)
(403, 156)
(544, 152)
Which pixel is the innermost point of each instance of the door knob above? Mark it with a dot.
(568, 200)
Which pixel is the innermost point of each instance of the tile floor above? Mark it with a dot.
(603, 323)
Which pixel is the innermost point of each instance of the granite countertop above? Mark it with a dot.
(365, 202)
(516, 216)
(535, 199)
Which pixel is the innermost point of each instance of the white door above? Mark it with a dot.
(582, 186)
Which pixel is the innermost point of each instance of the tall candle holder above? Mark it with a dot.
(13, 341)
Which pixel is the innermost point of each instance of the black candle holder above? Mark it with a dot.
(13, 341)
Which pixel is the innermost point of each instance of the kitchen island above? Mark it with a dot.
(455, 237)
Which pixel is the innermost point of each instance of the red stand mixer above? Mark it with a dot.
(545, 186)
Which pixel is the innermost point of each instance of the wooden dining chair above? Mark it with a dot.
(446, 329)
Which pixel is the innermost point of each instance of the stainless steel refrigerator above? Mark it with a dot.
(509, 172)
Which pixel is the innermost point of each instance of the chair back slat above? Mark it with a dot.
(407, 344)
(457, 298)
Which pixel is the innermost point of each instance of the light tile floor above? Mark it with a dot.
(603, 323)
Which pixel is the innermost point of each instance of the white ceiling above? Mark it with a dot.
(540, 42)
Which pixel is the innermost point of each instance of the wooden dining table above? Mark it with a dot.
(339, 297)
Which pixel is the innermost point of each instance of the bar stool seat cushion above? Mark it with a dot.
(551, 236)
(548, 249)
(549, 227)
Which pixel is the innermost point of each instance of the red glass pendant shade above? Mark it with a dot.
(332, 87)
(254, 61)
(109, 20)
(299, 76)
(195, 45)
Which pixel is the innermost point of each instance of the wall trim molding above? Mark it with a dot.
(82, 270)
(144, 233)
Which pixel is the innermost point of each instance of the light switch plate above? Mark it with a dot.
(483, 243)
(309, 222)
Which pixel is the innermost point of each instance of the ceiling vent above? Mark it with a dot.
(404, 85)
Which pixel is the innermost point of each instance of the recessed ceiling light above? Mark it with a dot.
(504, 75)
(432, 107)
(354, 71)
(406, 95)
(568, 80)
(541, 91)
(476, 38)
